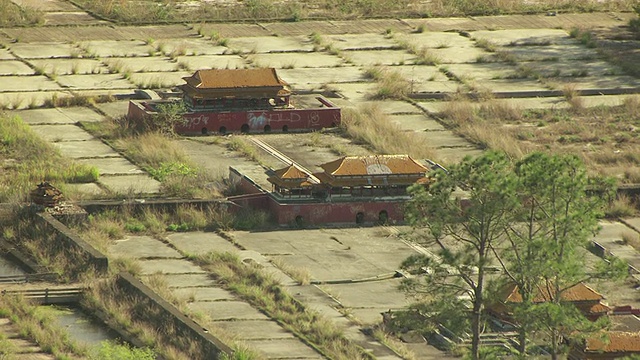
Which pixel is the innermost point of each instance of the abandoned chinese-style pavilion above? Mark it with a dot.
(224, 89)
(241, 100)
(377, 175)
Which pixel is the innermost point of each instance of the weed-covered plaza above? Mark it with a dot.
(440, 88)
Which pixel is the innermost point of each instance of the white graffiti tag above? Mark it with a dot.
(199, 120)
(256, 121)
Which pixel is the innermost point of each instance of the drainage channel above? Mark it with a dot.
(57, 302)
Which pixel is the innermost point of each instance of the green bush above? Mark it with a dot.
(109, 350)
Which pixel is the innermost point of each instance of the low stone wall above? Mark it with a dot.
(70, 242)
(155, 310)
(137, 205)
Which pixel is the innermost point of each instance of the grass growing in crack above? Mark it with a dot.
(301, 275)
(371, 126)
(12, 15)
(477, 123)
(237, 143)
(622, 206)
(40, 327)
(27, 160)
(390, 84)
(572, 96)
(265, 293)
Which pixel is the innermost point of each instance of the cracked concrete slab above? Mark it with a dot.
(70, 66)
(189, 282)
(117, 48)
(131, 184)
(94, 81)
(85, 149)
(447, 138)
(158, 79)
(143, 247)
(6, 55)
(419, 73)
(267, 44)
(446, 86)
(344, 258)
(394, 106)
(518, 85)
(416, 123)
(361, 42)
(437, 40)
(355, 92)
(44, 50)
(552, 52)
(114, 109)
(379, 57)
(457, 55)
(254, 329)
(57, 133)
(573, 68)
(228, 310)
(146, 64)
(482, 71)
(188, 47)
(32, 83)
(112, 166)
(169, 266)
(212, 62)
(14, 67)
(199, 294)
(284, 349)
(199, 242)
(295, 60)
(305, 78)
(524, 37)
(603, 82)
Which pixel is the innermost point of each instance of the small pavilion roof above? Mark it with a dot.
(374, 165)
(235, 78)
(618, 342)
(576, 293)
(290, 177)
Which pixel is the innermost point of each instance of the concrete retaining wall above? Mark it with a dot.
(69, 242)
(153, 309)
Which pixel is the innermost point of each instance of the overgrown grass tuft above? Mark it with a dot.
(12, 15)
(27, 160)
(371, 126)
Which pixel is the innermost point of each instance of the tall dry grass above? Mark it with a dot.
(26, 160)
(167, 11)
(369, 125)
(483, 124)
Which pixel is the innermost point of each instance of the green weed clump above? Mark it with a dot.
(26, 160)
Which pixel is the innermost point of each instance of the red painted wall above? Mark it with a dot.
(313, 213)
